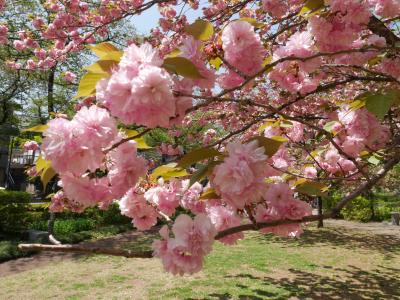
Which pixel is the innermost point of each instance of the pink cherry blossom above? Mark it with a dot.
(134, 205)
(69, 76)
(31, 145)
(385, 8)
(191, 198)
(242, 171)
(125, 168)
(223, 218)
(185, 252)
(165, 198)
(237, 38)
(83, 190)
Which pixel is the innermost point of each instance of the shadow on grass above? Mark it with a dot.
(340, 237)
(351, 283)
(133, 240)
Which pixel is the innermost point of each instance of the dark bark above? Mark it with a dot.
(50, 91)
(319, 205)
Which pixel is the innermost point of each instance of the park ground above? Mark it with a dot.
(344, 260)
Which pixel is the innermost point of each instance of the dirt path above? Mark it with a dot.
(383, 230)
(377, 228)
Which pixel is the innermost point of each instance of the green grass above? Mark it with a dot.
(332, 263)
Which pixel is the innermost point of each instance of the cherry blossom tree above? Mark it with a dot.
(298, 96)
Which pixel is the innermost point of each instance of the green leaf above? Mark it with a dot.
(46, 176)
(87, 85)
(167, 171)
(311, 6)
(253, 22)
(102, 66)
(312, 188)
(199, 174)
(379, 104)
(103, 48)
(37, 128)
(209, 194)
(181, 66)
(203, 171)
(197, 155)
(216, 62)
(201, 30)
(373, 159)
(271, 146)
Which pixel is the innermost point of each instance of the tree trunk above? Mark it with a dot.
(50, 91)
(319, 204)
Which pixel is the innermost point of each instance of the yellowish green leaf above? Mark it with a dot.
(270, 145)
(209, 194)
(181, 66)
(253, 22)
(140, 141)
(311, 6)
(265, 126)
(286, 124)
(356, 104)
(87, 85)
(37, 128)
(176, 52)
(196, 156)
(216, 62)
(102, 66)
(42, 164)
(201, 30)
(279, 138)
(312, 188)
(167, 171)
(375, 160)
(329, 126)
(46, 175)
(103, 48)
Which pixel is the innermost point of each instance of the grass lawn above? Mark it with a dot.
(332, 263)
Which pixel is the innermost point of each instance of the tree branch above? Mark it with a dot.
(85, 249)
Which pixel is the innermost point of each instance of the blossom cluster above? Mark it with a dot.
(265, 67)
(140, 91)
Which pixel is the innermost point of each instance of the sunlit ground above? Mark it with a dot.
(332, 263)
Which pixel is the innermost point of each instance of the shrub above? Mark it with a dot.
(360, 209)
(13, 197)
(16, 213)
(63, 227)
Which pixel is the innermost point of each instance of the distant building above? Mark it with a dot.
(13, 164)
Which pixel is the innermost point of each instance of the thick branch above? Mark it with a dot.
(379, 28)
(368, 184)
(85, 249)
(260, 225)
